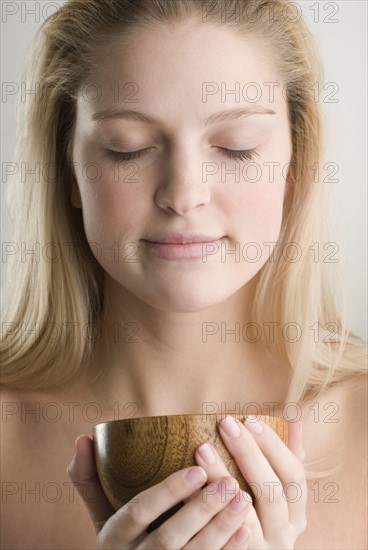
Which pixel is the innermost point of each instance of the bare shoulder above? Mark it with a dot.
(343, 418)
(40, 508)
(335, 436)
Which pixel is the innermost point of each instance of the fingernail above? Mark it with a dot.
(239, 502)
(242, 535)
(253, 424)
(230, 426)
(69, 467)
(195, 476)
(71, 464)
(206, 453)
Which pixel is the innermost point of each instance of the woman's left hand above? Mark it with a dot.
(275, 474)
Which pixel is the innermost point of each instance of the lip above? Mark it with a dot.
(183, 247)
(182, 238)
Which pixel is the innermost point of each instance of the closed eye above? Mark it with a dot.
(247, 154)
(131, 155)
(118, 156)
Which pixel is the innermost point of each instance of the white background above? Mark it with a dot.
(340, 30)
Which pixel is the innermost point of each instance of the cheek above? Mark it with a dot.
(110, 212)
(110, 198)
(255, 204)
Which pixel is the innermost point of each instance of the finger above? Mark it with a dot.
(257, 539)
(191, 518)
(271, 507)
(134, 517)
(287, 466)
(216, 534)
(192, 496)
(205, 455)
(83, 473)
(240, 539)
(218, 531)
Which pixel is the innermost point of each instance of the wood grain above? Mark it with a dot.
(136, 453)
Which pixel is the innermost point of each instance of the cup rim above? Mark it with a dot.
(155, 417)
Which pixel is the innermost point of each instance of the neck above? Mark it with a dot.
(179, 363)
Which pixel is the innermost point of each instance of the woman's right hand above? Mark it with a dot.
(210, 517)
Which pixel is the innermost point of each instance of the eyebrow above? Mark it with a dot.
(230, 114)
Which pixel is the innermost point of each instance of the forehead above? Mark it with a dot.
(186, 66)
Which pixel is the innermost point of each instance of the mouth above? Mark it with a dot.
(188, 248)
(179, 238)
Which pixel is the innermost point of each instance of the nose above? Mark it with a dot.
(182, 188)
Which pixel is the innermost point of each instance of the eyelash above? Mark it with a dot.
(248, 154)
(124, 157)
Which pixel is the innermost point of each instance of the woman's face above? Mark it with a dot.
(175, 80)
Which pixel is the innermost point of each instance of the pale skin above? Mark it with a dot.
(172, 369)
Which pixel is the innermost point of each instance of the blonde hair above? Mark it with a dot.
(54, 292)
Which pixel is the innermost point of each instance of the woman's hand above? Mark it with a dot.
(275, 474)
(211, 517)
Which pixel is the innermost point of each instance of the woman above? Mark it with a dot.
(159, 124)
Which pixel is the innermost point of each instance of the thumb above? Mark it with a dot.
(82, 472)
(295, 441)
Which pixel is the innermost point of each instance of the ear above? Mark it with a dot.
(75, 196)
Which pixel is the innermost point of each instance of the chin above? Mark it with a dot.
(179, 300)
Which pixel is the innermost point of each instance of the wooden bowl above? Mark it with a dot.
(136, 453)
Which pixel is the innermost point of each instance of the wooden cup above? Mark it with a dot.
(134, 454)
